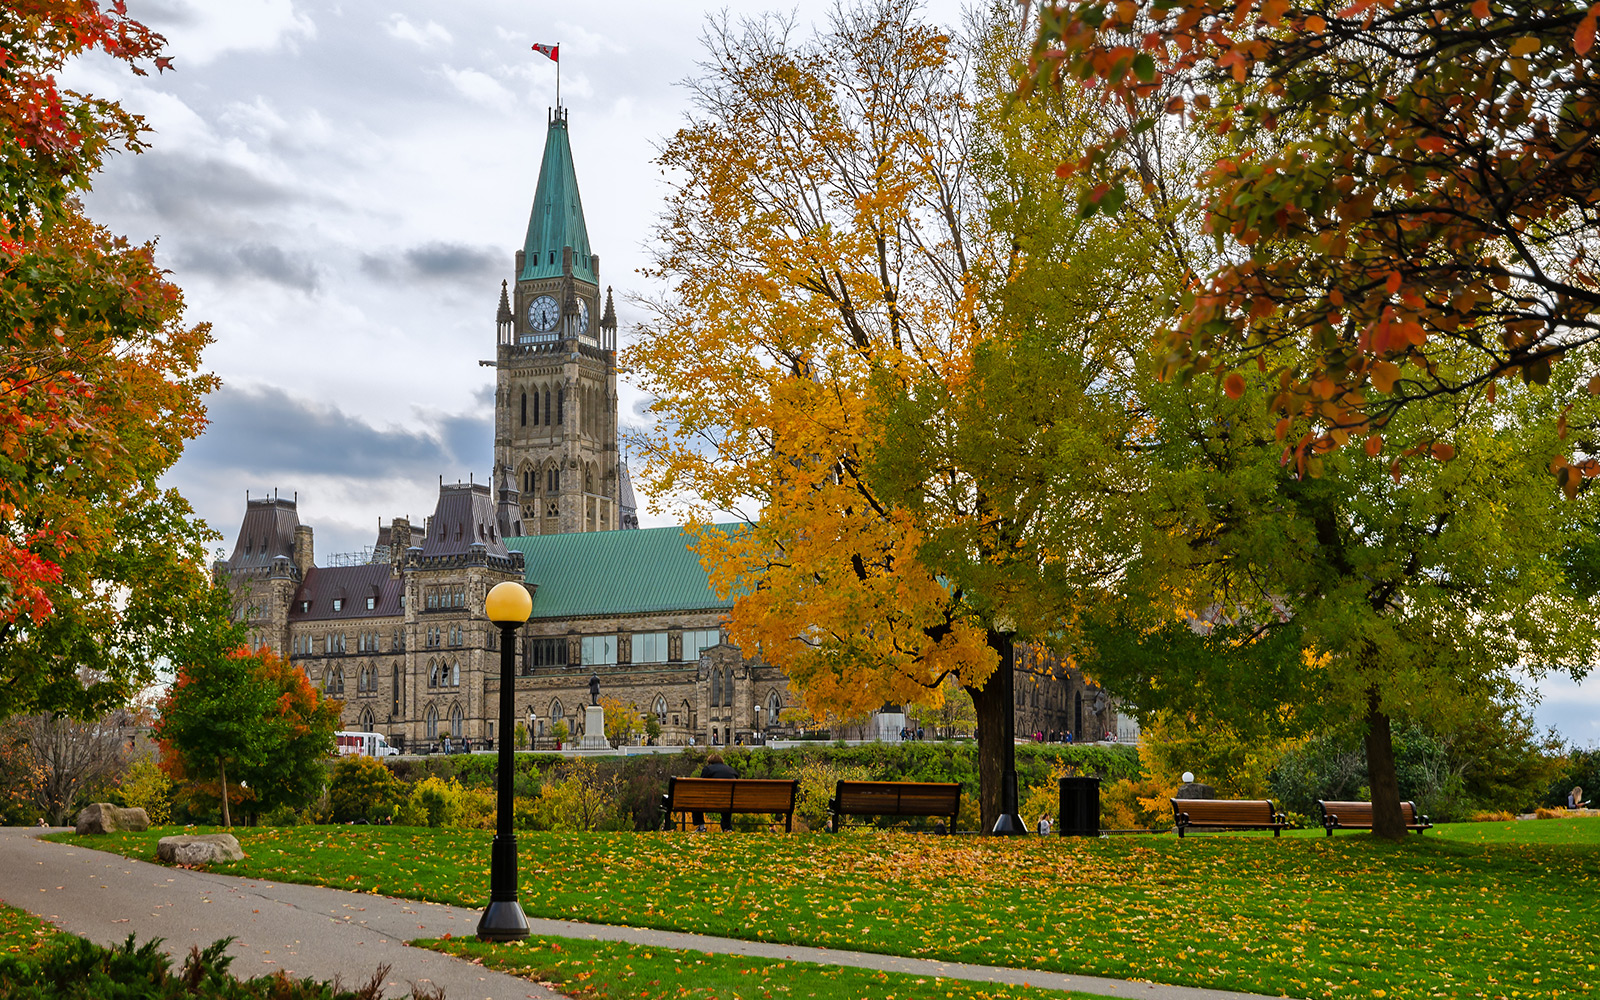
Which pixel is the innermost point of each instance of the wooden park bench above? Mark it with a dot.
(728, 795)
(1227, 814)
(895, 798)
(1358, 816)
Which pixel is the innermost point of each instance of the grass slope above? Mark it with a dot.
(22, 933)
(1347, 916)
(608, 970)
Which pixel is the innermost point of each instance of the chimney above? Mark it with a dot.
(303, 555)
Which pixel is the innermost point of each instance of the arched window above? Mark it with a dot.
(774, 706)
(547, 407)
(455, 674)
(557, 713)
(727, 689)
(433, 723)
(456, 728)
(716, 686)
(433, 673)
(366, 720)
(552, 256)
(524, 409)
(661, 709)
(552, 480)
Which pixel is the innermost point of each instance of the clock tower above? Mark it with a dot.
(555, 428)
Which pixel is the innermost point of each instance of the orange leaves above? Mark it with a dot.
(1383, 375)
(1233, 385)
(1480, 9)
(1374, 445)
(1583, 38)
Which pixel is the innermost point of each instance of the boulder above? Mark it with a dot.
(103, 817)
(199, 848)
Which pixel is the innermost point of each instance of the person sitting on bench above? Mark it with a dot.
(715, 767)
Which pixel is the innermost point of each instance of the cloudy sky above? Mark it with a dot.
(339, 187)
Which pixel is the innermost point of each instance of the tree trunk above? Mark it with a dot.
(222, 771)
(997, 768)
(1387, 822)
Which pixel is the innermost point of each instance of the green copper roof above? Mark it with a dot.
(615, 573)
(556, 221)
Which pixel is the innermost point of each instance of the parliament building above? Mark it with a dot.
(400, 636)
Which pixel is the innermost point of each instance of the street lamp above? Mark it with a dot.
(533, 741)
(508, 606)
(760, 736)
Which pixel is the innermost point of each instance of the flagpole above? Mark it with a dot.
(558, 77)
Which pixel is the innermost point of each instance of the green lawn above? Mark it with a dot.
(614, 971)
(1345, 916)
(22, 933)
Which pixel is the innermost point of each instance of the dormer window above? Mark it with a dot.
(338, 604)
(305, 606)
(372, 602)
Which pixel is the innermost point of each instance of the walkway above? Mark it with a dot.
(318, 932)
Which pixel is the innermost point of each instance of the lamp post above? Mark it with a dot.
(760, 734)
(533, 743)
(508, 606)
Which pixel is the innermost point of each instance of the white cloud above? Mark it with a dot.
(199, 31)
(479, 87)
(426, 36)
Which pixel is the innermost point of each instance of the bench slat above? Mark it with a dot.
(895, 798)
(1229, 814)
(735, 795)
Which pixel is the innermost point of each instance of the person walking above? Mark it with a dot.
(715, 767)
(1044, 824)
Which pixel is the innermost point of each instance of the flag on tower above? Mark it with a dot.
(553, 51)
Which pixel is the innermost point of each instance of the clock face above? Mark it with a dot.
(543, 314)
(583, 316)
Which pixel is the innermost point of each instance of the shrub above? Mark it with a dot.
(72, 968)
(1484, 816)
(1558, 812)
(818, 778)
(433, 802)
(363, 789)
(1136, 804)
(147, 787)
(576, 797)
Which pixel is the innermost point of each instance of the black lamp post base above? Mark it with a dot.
(1009, 825)
(503, 921)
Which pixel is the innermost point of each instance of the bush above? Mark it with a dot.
(577, 797)
(363, 789)
(818, 778)
(75, 969)
(433, 802)
(1141, 804)
(147, 787)
(1490, 817)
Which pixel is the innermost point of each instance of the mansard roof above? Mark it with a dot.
(352, 585)
(464, 517)
(266, 533)
(615, 573)
(556, 221)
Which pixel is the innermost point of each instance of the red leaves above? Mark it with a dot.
(1233, 385)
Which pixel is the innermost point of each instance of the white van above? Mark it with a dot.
(364, 744)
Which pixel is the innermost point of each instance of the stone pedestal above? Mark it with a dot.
(594, 729)
(1196, 790)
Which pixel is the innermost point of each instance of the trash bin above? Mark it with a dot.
(1080, 807)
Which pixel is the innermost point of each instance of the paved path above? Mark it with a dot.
(319, 932)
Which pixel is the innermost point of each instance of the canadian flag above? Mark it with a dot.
(553, 51)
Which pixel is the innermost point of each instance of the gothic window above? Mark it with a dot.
(727, 689)
(716, 687)
(552, 481)
(774, 706)
(456, 727)
(366, 720)
(433, 674)
(524, 409)
(661, 709)
(433, 722)
(547, 407)
(557, 713)
(335, 682)
(455, 674)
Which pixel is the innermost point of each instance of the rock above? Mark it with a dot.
(103, 817)
(199, 848)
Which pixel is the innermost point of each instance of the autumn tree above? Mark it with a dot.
(99, 387)
(1406, 201)
(1280, 604)
(837, 363)
(251, 714)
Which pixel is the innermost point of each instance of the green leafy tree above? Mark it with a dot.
(293, 772)
(1281, 603)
